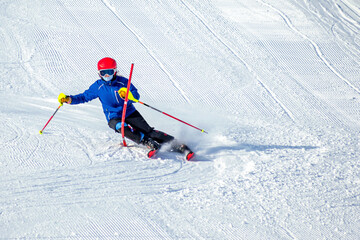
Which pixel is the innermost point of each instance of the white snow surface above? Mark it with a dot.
(275, 83)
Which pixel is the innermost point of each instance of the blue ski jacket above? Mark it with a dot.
(107, 92)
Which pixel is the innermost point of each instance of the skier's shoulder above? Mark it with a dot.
(97, 84)
(121, 79)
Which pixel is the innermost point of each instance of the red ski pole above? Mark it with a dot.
(202, 130)
(41, 131)
(131, 97)
(125, 106)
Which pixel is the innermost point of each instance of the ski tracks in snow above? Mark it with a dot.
(148, 49)
(316, 47)
(240, 59)
(263, 179)
(67, 171)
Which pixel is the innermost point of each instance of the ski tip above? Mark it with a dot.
(190, 156)
(41, 132)
(152, 153)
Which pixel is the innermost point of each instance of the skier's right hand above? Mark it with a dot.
(64, 98)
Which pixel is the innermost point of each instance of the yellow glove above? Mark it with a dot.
(64, 98)
(122, 93)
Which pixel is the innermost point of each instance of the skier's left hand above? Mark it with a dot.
(122, 92)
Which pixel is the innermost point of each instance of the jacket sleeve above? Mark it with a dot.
(134, 92)
(86, 96)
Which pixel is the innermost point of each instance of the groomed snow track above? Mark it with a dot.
(276, 85)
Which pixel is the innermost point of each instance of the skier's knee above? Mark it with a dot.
(118, 126)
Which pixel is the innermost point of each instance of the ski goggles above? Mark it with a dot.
(109, 72)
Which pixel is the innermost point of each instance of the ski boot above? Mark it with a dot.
(153, 145)
(183, 149)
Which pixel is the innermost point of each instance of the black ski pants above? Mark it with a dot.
(137, 127)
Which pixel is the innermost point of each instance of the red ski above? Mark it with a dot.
(189, 156)
(152, 153)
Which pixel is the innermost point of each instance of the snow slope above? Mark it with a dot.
(275, 83)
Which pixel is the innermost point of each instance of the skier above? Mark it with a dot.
(111, 91)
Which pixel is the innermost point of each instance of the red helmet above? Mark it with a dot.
(107, 63)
